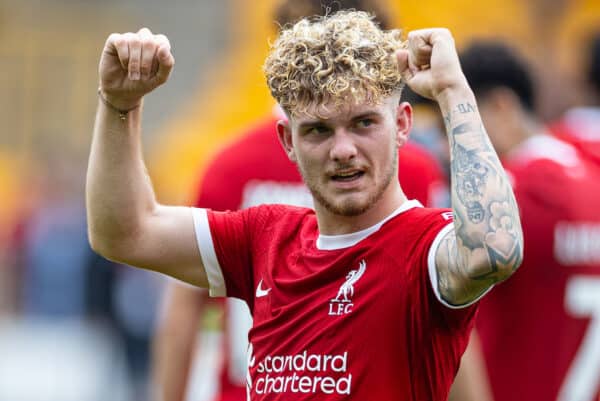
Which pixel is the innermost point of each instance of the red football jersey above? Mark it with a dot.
(581, 128)
(540, 330)
(338, 317)
(255, 170)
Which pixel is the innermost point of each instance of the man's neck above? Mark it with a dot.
(528, 127)
(335, 224)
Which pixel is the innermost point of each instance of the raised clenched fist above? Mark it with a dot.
(132, 65)
(430, 62)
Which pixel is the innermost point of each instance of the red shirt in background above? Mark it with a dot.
(540, 330)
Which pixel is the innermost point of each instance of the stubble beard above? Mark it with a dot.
(349, 207)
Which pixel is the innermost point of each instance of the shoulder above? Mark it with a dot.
(434, 216)
(544, 161)
(580, 123)
(279, 214)
(257, 220)
(420, 224)
(544, 152)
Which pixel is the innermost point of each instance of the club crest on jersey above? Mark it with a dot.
(342, 303)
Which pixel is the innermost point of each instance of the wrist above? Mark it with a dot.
(120, 102)
(454, 94)
(119, 105)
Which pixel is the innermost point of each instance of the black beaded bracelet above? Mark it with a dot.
(122, 113)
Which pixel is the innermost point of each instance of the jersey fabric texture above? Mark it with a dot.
(540, 330)
(352, 317)
(255, 170)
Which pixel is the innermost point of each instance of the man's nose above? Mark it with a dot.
(343, 148)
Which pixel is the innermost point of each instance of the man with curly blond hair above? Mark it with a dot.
(415, 273)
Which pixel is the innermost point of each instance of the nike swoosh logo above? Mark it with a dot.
(260, 292)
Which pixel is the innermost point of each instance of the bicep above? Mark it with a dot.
(456, 284)
(166, 243)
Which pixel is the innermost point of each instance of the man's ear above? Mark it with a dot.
(284, 133)
(404, 121)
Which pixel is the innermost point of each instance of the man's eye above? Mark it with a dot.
(364, 123)
(317, 130)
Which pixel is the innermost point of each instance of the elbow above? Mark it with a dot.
(97, 244)
(505, 264)
(496, 264)
(108, 246)
(101, 246)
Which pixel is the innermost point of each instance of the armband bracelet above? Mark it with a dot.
(122, 113)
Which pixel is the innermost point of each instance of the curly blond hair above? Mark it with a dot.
(337, 58)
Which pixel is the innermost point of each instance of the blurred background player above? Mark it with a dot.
(548, 316)
(580, 125)
(255, 170)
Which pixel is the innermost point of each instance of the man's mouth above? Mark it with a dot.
(345, 176)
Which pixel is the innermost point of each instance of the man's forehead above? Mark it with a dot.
(334, 111)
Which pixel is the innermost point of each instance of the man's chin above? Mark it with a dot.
(348, 208)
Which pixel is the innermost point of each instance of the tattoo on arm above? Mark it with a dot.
(461, 108)
(486, 245)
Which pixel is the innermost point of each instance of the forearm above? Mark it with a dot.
(175, 340)
(489, 240)
(171, 363)
(118, 190)
(471, 382)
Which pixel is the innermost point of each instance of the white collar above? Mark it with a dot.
(332, 242)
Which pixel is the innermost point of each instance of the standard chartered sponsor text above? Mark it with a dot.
(303, 373)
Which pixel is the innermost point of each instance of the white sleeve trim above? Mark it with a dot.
(214, 273)
(433, 276)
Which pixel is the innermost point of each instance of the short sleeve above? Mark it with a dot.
(443, 314)
(225, 245)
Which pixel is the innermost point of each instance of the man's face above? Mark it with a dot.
(348, 157)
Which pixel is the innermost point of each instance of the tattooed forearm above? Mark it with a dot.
(471, 174)
(486, 246)
(461, 108)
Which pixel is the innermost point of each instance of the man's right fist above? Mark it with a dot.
(132, 65)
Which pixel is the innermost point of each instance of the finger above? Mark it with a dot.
(160, 40)
(116, 46)
(166, 61)
(403, 67)
(420, 48)
(148, 52)
(135, 53)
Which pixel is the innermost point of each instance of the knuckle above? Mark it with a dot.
(135, 41)
(148, 44)
(445, 32)
(120, 41)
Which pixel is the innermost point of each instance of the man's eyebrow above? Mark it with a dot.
(312, 123)
(320, 123)
(370, 113)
